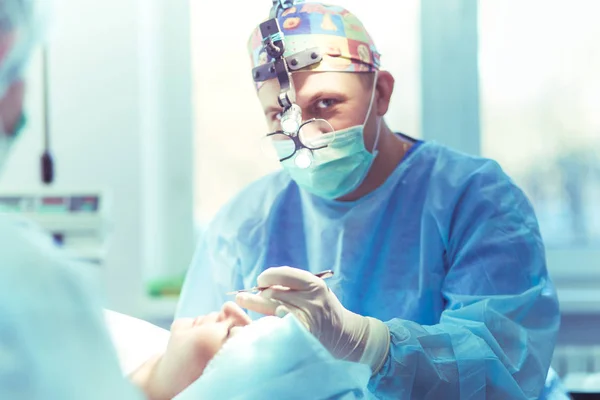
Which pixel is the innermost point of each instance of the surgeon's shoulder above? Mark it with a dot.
(452, 169)
(251, 207)
(20, 236)
(29, 256)
(459, 180)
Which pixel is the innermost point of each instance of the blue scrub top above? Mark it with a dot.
(447, 251)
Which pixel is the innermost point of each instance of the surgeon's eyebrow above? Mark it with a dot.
(318, 95)
(325, 94)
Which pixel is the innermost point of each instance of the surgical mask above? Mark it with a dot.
(7, 140)
(339, 168)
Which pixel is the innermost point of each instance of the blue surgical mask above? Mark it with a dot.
(339, 168)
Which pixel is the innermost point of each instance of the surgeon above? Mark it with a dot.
(53, 341)
(441, 284)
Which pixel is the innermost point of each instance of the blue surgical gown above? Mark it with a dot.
(53, 342)
(447, 252)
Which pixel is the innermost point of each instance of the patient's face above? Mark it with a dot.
(208, 333)
(193, 343)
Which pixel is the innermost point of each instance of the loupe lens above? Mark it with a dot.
(303, 158)
(316, 134)
(277, 146)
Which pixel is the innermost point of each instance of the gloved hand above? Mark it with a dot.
(346, 335)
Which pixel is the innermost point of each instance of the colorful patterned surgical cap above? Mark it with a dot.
(345, 44)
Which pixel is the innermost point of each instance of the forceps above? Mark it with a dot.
(323, 275)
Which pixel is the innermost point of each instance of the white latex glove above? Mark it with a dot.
(346, 335)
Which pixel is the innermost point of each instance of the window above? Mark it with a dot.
(540, 96)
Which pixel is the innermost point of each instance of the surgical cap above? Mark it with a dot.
(344, 42)
(22, 25)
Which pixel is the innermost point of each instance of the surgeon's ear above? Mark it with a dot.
(384, 90)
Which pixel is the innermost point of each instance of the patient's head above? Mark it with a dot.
(195, 341)
(212, 330)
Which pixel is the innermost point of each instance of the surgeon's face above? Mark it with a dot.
(11, 107)
(342, 98)
(11, 103)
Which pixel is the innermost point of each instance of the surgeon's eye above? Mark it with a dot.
(276, 116)
(324, 108)
(324, 104)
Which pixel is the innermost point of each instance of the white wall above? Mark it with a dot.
(121, 121)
